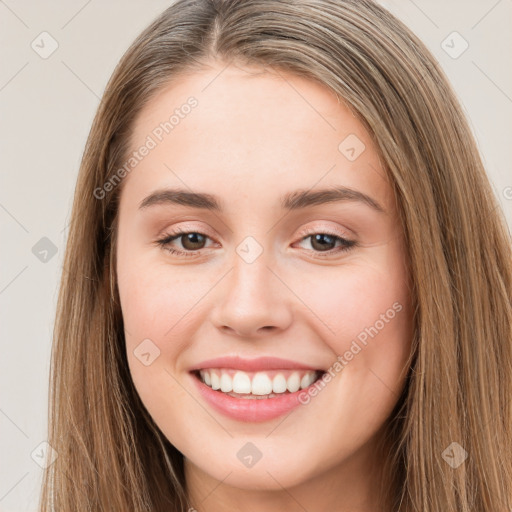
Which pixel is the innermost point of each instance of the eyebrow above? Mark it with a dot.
(296, 200)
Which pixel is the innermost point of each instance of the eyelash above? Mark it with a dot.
(346, 244)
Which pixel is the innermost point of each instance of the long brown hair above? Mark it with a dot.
(111, 455)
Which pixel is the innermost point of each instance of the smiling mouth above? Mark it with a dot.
(257, 385)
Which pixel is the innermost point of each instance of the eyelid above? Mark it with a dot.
(327, 230)
(348, 243)
(189, 227)
(186, 227)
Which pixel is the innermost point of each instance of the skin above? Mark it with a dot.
(253, 137)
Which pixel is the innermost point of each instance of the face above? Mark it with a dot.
(280, 283)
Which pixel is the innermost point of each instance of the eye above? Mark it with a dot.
(192, 241)
(324, 243)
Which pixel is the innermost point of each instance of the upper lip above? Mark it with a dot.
(259, 363)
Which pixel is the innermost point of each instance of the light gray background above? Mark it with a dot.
(47, 106)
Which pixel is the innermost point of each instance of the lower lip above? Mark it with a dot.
(250, 410)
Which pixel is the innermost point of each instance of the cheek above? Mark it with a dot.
(365, 316)
(153, 317)
(155, 298)
(155, 303)
(364, 312)
(357, 303)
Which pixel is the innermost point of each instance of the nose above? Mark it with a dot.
(252, 300)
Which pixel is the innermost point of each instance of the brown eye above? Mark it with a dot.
(323, 241)
(327, 244)
(192, 241)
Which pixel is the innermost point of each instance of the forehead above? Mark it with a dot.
(245, 129)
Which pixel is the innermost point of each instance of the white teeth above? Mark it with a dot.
(215, 380)
(207, 379)
(259, 384)
(293, 382)
(226, 383)
(307, 380)
(279, 383)
(241, 383)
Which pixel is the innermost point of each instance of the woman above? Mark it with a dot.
(212, 350)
